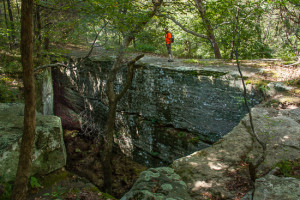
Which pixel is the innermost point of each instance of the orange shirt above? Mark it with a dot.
(168, 38)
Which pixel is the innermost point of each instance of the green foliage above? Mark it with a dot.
(5, 189)
(181, 134)
(145, 48)
(293, 82)
(263, 88)
(154, 153)
(191, 61)
(289, 168)
(6, 93)
(274, 103)
(78, 22)
(194, 140)
(56, 194)
(34, 182)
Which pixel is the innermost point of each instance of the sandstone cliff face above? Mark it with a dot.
(170, 111)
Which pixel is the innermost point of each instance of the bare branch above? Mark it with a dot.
(92, 47)
(184, 28)
(129, 76)
(51, 66)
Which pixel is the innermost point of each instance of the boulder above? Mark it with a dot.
(274, 187)
(222, 170)
(49, 150)
(159, 184)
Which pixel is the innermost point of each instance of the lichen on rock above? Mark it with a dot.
(159, 184)
(49, 151)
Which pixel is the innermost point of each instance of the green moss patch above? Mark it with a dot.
(289, 168)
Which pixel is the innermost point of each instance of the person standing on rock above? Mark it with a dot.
(169, 40)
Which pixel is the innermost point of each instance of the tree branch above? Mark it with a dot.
(51, 66)
(84, 58)
(92, 47)
(129, 78)
(184, 28)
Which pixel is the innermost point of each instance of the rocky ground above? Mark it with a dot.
(82, 177)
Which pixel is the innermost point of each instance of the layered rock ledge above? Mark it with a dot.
(171, 110)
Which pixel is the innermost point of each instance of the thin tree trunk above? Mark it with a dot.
(209, 29)
(134, 42)
(47, 41)
(5, 15)
(11, 18)
(114, 98)
(106, 155)
(234, 35)
(26, 148)
(5, 18)
(38, 32)
(18, 9)
(0, 15)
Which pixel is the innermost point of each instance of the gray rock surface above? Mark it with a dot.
(45, 93)
(222, 170)
(277, 188)
(171, 110)
(159, 184)
(49, 150)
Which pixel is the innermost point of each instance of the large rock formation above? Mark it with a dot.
(222, 171)
(49, 150)
(171, 110)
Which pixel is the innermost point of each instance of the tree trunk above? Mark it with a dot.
(12, 26)
(47, 41)
(38, 32)
(114, 98)
(134, 43)
(26, 148)
(106, 155)
(234, 34)
(209, 29)
(17, 3)
(0, 15)
(5, 17)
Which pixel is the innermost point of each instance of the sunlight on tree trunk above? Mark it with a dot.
(209, 29)
(26, 148)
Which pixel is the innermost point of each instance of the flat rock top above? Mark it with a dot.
(196, 64)
(179, 64)
(256, 71)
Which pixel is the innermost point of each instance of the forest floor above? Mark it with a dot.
(82, 177)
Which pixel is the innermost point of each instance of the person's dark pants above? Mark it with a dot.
(169, 52)
(169, 49)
